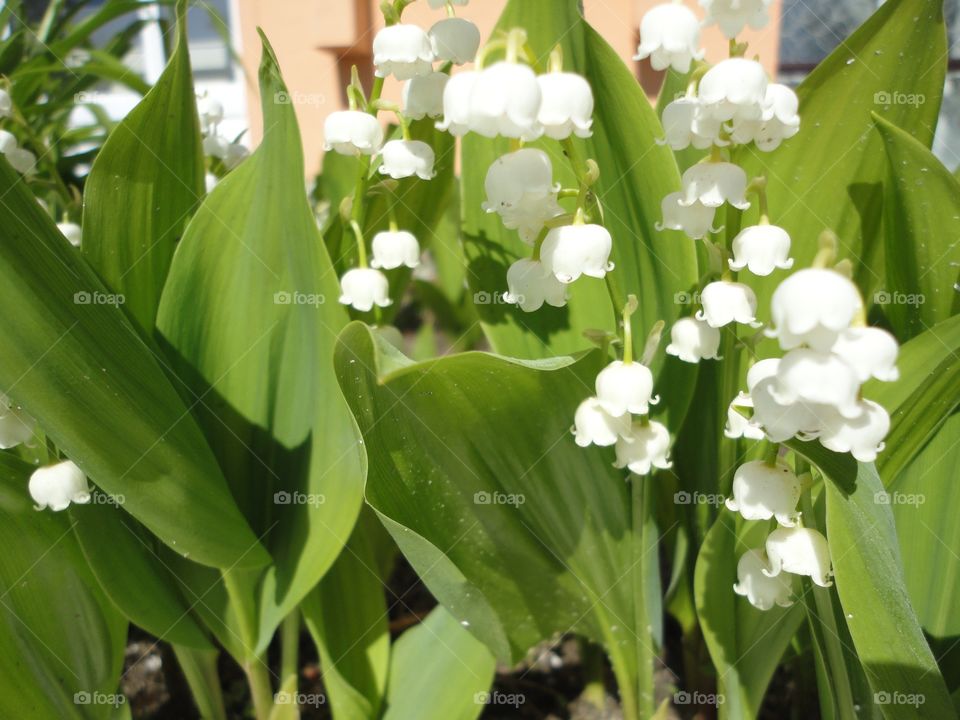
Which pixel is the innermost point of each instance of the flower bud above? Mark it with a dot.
(393, 249)
(351, 132)
(406, 158)
(362, 288)
(56, 486)
(570, 251)
(403, 51)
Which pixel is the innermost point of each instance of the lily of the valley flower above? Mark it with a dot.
(23, 161)
(812, 307)
(779, 122)
(685, 124)
(71, 231)
(734, 90)
(455, 40)
(645, 447)
(402, 50)
(210, 112)
(566, 106)
(761, 591)
(56, 486)
(862, 436)
(406, 158)
(801, 551)
(738, 425)
(714, 183)
(670, 37)
(626, 388)
(351, 132)
(362, 288)
(870, 351)
(506, 101)
(531, 285)
(695, 220)
(456, 103)
(725, 302)
(231, 153)
(570, 251)
(16, 426)
(594, 425)
(693, 340)
(519, 186)
(391, 249)
(817, 378)
(732, 16)
(6, 104)
(781, 422)
(762, 491)
(422, 96)
(761, 249)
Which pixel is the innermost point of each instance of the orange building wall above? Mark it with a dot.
(317, 41)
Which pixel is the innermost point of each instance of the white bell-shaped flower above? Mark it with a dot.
(236, 154)
(23, 161)
(6, 104)
(422, 96)
(695, 220)
(647, 446)
(362, 288)
(210, 112)
(626, 387)
(734, 90)
(761, 591)
(505, 101)
(351, 132)
(732, 16)
(455, 40)
(870, 351)
(16, 426)
(402, 50)
(812, 307)
(713, 184)
(761, 249)
(685, 124)
(530, 285)
(574, 250)
(566, 105)
(725, 302)
(594, 425)
(761, 370)
(519, 186)
(71, 231)
(406, 158)
(8, 141)
(818, 378)
(801, 551)
(215, 145)
(738, 425)
(762, 491)
(440, 4)
(391, 249)
(782, 422)
(670, 37)
(780, 120)
(693, 340)
(862, 437)
(457, 94)
(56, 486)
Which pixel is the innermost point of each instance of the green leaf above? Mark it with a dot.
(250, 310)
(143, 187)
(830, 174)
(921, 227)
(80, 368)
(472, 468)
(745, 644)
(924, 504)
(438, 670)
(869, 577)
(636, 174)
(347, 617)
(60, 637)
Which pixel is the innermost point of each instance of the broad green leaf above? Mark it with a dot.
(921, 231)
(250, 311)
(61, 640)
(745, 644)
(347, 617)
(635, 175)
(125, 560)
(439, 670)
(518, 532)
(869, 577)
(924, 504)
(830, 174)
(143, 186)
(78, 365)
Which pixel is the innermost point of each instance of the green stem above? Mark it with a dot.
(200, 669)
(641, 498)
(290, 646)
(258, 675)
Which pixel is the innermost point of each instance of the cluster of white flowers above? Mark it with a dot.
(230, 152)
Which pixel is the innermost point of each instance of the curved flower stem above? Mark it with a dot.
(641, 502)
